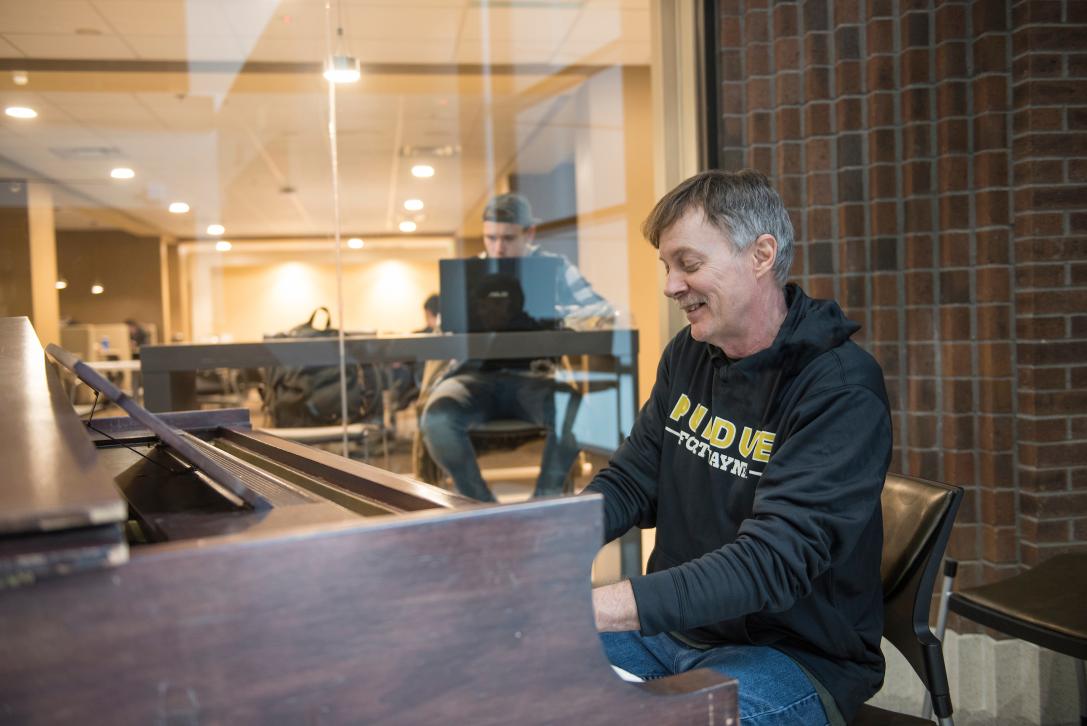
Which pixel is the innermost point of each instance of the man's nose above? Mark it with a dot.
(674, 285)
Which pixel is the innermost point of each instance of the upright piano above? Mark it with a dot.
(305, 587)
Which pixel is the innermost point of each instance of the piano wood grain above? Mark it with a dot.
(479, 616)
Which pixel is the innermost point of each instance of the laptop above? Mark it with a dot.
(485, 295)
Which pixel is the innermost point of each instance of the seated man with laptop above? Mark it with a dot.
(514, 286)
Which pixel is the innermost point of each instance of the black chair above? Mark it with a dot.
(917, 520)
(1045, 605)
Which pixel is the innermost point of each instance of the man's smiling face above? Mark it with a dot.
(708, 278)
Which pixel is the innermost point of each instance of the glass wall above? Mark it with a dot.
(184, 173)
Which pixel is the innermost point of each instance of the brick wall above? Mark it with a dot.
(1049, 153)
(933, 154)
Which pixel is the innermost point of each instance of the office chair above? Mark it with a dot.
(494, 435)
(1045, 605)
(917, 520)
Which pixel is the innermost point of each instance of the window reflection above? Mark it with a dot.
(177, 159)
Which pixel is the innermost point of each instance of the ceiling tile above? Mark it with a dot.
(191, 48)
(50, 17)
(8, 50)
(428, 51)
(401, 21)
(285, 49)
(503, 53)
(287, 19)
(90, 47)
(597, 27)
(540, 26)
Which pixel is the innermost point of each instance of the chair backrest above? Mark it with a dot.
(917, 519)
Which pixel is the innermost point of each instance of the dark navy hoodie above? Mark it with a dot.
(763, 478)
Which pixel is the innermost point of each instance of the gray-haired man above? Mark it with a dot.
(760, 458)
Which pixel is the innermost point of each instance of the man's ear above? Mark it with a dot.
(529, 233)
(764, 252)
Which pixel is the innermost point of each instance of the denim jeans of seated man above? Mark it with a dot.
(471, 398)
(773, 691)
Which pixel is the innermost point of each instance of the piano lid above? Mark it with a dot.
(52, 477)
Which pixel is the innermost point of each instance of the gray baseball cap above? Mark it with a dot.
(510, 209)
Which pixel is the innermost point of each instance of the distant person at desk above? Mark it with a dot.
(476, 392)
(431, 311)
(137, 336)
(760, 459)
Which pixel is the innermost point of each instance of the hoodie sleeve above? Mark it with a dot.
(812, 504)
(629, 482)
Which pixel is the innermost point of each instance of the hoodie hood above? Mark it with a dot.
(811, 327)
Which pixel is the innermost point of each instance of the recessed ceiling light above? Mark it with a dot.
(413, 205)
(423, 171)
(20, 112)
(178, 207)
(122, 172)
(97, 289)
(355, 243)
(407, 226)
(62, 283)
(223, 246)
(216, 229)
(20, 78)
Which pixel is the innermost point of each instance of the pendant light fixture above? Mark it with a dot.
(342, 67)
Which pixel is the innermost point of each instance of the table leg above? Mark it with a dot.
(172, 391)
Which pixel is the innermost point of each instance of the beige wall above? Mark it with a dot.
(383, 292)
(129, 268)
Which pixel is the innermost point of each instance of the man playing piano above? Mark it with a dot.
(759, 458)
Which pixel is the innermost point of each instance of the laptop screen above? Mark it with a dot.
(481, 295)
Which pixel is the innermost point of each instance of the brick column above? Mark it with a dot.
(1049, 150)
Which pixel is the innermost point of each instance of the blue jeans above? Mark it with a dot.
(773, 691)
(467, 399)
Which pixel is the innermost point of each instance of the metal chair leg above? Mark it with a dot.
(951, 568)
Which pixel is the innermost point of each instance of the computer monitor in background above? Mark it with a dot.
(480, 295)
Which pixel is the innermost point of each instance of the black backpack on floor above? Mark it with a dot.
(310, 395)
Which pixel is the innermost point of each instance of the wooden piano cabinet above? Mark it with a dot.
(382, 600)
(474, 616)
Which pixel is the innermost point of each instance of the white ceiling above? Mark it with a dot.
(230, 142)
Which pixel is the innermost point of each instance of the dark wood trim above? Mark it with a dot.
(710, 78)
